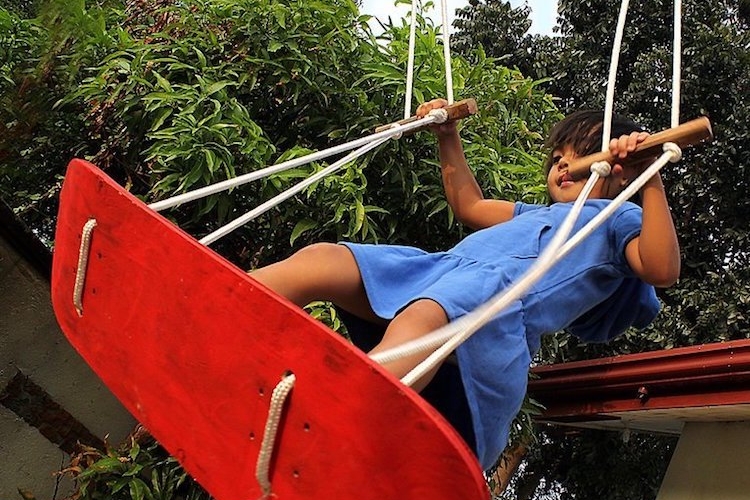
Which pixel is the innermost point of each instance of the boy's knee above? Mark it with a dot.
(321, 252)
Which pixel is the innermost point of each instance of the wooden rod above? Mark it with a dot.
(456, 111)
(687, 134)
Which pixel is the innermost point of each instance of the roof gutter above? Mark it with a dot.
(703, 375)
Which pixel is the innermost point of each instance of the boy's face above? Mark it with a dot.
(563, 188)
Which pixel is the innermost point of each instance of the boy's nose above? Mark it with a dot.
(562, 164)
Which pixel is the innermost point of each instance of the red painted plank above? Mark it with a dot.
(193, 347)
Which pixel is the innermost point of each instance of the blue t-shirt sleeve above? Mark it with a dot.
(521, 207)
(625, 225)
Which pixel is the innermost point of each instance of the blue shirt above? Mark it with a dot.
(592, 292)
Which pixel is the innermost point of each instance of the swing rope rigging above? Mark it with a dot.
(443, 341)
(446, 339)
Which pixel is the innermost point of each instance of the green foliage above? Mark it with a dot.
(223, 88)
(138, 470)
(498, 27)
(18, 38)
(23, 8)
(40, 61)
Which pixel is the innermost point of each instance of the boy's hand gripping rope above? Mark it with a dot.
(688, 134)
(452, 112)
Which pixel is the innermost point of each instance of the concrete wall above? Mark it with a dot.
(45, 387)
(711, 462)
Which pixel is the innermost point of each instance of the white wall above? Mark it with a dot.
(711, 462)
(30, 341)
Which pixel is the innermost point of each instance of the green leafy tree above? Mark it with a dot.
(25, 8)
(498, 27)
(40, 62)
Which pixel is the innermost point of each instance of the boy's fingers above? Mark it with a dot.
(621, 146)
(633, 140)
(428, 106)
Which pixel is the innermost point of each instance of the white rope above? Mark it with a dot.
(83, 261)
(395, 131)
(263, 465)
(463, 328)
(410, 60)
(296, 162)
(612, 80)
(276, 200)
(676, 63)
(447, 53)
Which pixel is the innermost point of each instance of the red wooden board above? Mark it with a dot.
(193, 347)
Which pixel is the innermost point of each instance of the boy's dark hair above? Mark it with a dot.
(583, 131)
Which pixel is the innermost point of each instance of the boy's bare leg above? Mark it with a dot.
(323, 271)
(327, 271)
(418, 319)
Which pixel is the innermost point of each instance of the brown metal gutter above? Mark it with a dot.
(704, 375)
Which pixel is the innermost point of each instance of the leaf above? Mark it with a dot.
(139, 490)
(216, 87)
(160, 119)
(359, 216)
(274, 46)
(202, 62)
(211, 160)
(162, 82)
(300, 227)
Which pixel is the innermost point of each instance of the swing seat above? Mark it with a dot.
(193, 347)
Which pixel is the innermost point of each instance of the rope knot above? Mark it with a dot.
(83, 261)
(399, 134)
(602, 168)
(263, 465)
(671, 147)
(440, 115)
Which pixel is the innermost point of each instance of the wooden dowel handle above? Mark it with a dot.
(456, 111)
(687, 134)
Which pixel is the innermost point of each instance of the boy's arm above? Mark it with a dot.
(654, 255)
(461, 188)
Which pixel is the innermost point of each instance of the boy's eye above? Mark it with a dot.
(556, 159)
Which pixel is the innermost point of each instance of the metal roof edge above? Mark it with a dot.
(708, 374)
